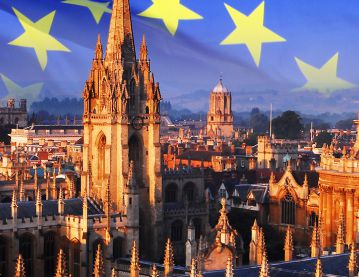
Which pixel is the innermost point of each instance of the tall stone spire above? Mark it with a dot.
(120, 42)
(352, 265)
(135, 262)
(315, 245)
(20, 267)
(168, 260)
(264, 271)
(318, 269)
(98, 268)
(288, 245)
(144, 50)
(154, 272)
(99, 49)
(61, 268)
(229, 268)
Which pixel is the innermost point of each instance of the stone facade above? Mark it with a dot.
(220, 117)
(11, 115)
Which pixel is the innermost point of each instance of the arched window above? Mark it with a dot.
(117, 248)
(26, 248)
(189, 192)
(76, 258)
(132, 102)
(288, 210)
(197, 222)
(101, 157)
(49, 254)
(4, 257)
(176, 230)
(313, 219)
(171, 193)
(135, 154)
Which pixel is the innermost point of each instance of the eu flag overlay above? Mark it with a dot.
(298, 54)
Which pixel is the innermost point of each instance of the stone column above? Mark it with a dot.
(349, 216)
(324, 216)
(329, 220)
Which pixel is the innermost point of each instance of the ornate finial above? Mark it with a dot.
(113, 273)
(38, 203)
(352, 265)
(154, 271)
(229, 267)
(168, 260)
(22, 190)
(61, 269)
(315, 245)
(135, 262)
(255, 225)
(20, 267)
(288, 245)
(264, 271)
(193, 272)
(318, 268)
(14, 199)
(98, 268)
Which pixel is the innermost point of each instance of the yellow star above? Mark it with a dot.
(324, 79)
(171, 12)
(15, 91)
(96, 8)
(250, 31)
(37, 36)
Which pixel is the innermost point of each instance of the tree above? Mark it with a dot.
(323, 137)
(288, 125)
(258, 121)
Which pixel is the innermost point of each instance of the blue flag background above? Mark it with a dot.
(188, 63)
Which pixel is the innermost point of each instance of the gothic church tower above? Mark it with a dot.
(220, 117)
(122, 124)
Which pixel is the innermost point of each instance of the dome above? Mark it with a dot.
(220, 88)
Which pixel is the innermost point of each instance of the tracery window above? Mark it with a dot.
(101, 157)
(26, 249)
(49, 254)
(117, 248)
(288, 210)
(171, 193)
(189, 192)
(3, 257)
(176, 230)
(313, 219)
(76, 259)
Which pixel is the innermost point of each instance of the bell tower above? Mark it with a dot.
(122, 124)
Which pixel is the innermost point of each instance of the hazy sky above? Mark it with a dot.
(188, 64)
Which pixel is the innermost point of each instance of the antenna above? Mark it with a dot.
(270, 120)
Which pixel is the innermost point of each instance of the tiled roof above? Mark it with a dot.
(334, 265)
(27, 209)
